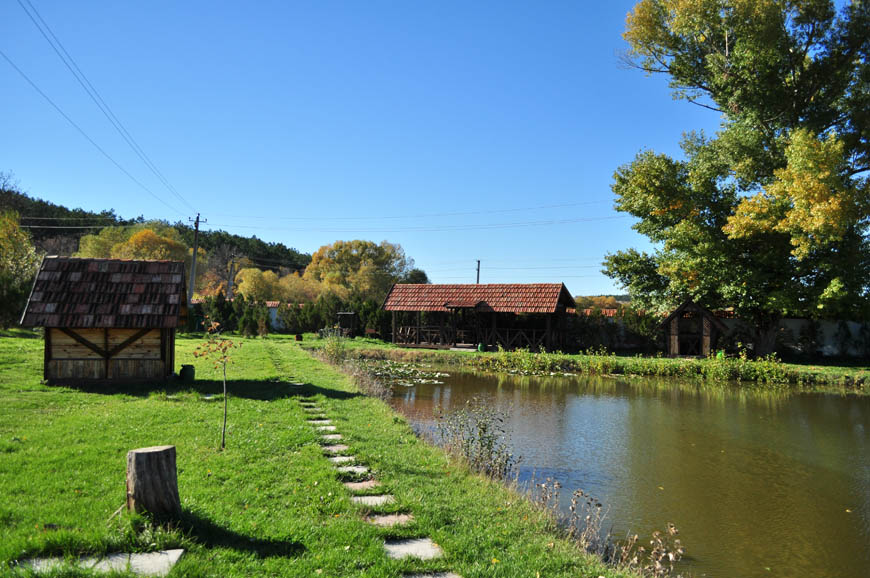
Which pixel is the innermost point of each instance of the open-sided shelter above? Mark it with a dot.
(510, 314)
(691, 330)
(107, 319)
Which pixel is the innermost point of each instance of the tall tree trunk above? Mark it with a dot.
(766, 329)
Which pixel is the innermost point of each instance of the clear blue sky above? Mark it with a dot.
(494, 128)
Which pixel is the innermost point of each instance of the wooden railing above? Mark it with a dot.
(509, 338)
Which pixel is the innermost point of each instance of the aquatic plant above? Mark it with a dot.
(476, 434)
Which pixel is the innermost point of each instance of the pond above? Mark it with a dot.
(758, 484)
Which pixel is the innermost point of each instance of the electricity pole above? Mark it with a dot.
(232, 274)
(478, 271)
(193, 265)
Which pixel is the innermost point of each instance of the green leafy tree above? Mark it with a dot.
(359, 268)
(770, 216)
(18, 263)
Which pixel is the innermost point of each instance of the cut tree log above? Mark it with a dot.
(152, 482)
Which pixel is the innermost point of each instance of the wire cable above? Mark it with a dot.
(84, 134)
(92, 92)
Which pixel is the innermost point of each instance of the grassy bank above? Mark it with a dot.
(766, 373)
(271, 503)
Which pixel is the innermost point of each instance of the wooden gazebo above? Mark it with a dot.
(107, 319)
(512, 315)
(691, 330)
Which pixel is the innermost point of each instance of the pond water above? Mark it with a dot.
(757, 484)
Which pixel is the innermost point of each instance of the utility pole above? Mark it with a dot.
(193, 265)
(232, 274)
(478, 271)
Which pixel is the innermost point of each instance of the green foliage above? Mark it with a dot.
(334, 349)
(18, 264)
(362, 269)
(477, 434)
(770, 217)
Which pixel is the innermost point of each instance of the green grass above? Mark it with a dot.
(770, 374)
(271, 503)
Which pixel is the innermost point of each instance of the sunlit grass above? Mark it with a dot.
(270, 504)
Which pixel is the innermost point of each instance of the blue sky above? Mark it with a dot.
(460, 130)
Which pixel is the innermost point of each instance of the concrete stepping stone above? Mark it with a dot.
(360, 486)
(326, 428)
(320, 421)
(422, 548)
(336, 448)
(331, 437)
(359, 470)
(389, 520)
(341, 459)
(379, 500)
(436, 575)
(146, 564)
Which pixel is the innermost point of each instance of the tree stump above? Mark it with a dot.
(152, 483)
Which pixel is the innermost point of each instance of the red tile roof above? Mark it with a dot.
(501, 298)
(112, 293)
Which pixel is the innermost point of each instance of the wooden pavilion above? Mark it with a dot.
(512, 315)
(107, 319)
(691, 330)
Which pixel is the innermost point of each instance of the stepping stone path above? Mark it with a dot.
(341, 459)
(389, 520)
(361, 486)
(421, 548)
(148, 564)
(378, 500)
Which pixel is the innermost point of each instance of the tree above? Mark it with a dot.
(770, 216)
(416, 276)
(297, 289)
(257, 285)
(18, 263)
(218, 349)
(362, 268)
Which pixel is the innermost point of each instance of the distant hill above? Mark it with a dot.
(56, 230)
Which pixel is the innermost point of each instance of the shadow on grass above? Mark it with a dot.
(211, 535)
(261, 390)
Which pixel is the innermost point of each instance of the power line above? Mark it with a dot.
(92, 92)
(430, 229)
(418, 216)
(84, 134)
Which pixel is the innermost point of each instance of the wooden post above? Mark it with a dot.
(674, 336)
(47, 355)
(548, 340)
(152, 482)
(394, 327)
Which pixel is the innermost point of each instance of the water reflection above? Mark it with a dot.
(759, 483)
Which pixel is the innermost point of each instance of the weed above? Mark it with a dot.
(476, 433)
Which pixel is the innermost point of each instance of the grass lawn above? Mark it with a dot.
(271, 503)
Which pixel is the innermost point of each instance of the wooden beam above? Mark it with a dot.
(95, 348)
(131, 340)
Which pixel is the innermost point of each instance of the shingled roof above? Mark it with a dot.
(111, 293)
(501, 298)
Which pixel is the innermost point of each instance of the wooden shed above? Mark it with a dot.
(508, 314)
(107, 319)
(691, 330)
